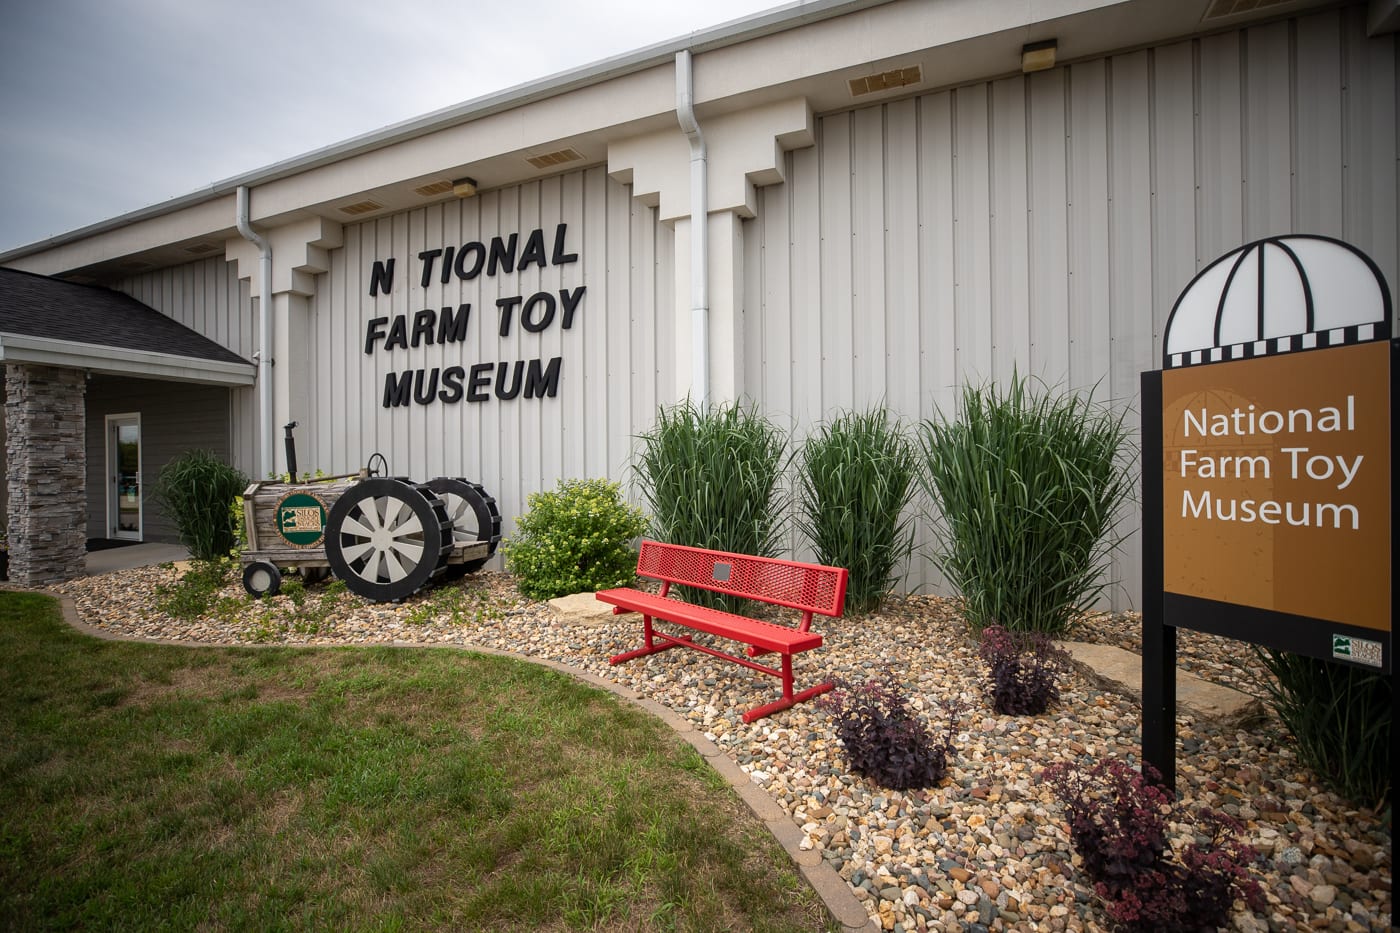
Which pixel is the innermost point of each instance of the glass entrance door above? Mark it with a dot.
(124, 477)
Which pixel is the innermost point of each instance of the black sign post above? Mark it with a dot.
(1158, 638)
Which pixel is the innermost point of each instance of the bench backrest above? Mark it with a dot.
(806, 587)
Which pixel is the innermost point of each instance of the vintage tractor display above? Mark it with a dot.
(385, 536)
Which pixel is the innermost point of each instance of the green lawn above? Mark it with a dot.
(146, 787)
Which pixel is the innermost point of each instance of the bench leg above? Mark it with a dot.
(789, 699)
(652, 646)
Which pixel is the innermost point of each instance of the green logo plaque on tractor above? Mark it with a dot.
(301, 519)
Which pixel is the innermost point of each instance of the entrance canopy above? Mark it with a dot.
(50, 322)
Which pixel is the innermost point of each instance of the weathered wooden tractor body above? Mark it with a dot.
(384, 536)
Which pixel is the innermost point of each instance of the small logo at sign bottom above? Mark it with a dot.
(1360, 650)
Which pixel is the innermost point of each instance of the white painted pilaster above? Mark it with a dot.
(292, 369)
(745, 151)
(682, 360)
(726, 308)
(300, 252)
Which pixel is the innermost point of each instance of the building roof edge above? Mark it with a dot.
(744, 29)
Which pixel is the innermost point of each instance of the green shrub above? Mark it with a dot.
(1029, 486)
(856, 479)
(238, 521)
(574, 539)
(1341, 717)
(196, 591)
(194, 490)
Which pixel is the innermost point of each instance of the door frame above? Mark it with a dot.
(111, 424)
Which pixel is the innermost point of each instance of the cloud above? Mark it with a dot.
(109, 107)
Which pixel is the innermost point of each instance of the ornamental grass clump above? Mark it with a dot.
(855, 483)
(194, 491)
(1341, 717)
(1119, 821)
(1030, 487)
(577, 538)
(712, 478)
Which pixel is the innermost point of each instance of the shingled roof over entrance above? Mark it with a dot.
(49, 321)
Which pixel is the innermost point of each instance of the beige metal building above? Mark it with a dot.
(888, 198)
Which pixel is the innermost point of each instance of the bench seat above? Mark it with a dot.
(766, 635)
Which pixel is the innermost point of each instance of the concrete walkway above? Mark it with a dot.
(133, 555)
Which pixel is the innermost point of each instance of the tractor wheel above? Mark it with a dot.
(310, 575)
(386, 538)
(474, 518)
(262, 579)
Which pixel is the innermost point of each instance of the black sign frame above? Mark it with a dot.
(1163, 613)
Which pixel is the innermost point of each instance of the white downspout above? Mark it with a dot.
(699, 233)
(264, 353)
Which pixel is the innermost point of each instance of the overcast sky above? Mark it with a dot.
(107, 106)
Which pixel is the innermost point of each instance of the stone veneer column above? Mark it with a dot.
(46, 456)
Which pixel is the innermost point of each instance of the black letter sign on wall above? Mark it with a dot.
(535, 313)
(1268, 451)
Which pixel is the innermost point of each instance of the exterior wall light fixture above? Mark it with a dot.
(1038, 56)
(465, 187)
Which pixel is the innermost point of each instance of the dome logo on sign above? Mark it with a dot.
(1278, 295)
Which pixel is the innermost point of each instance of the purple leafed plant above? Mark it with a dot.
(1118, 823)
(884, 739)
(1022, 668)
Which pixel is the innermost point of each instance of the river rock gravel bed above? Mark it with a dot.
(988, 849)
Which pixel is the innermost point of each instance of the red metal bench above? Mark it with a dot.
(809, 588)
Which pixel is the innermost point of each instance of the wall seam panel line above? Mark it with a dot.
(1071, 257)
(1293, 125)
(788, 208)
(851, 213)
(886, 284)
(953, 204)
(1152, 165)
(1071, 247)
(918, 112)
(1245, 180)
(791, 208)
(821, 292)
(1032, 256)
(1109, 156)
(1197, 172)
(1344, 69)
(993, 223)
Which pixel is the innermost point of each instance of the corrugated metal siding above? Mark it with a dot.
(174, 418)
(616, 357)
(206, 297)
(1048, 222)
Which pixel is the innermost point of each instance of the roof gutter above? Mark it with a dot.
(267, 436)
(121, 361)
